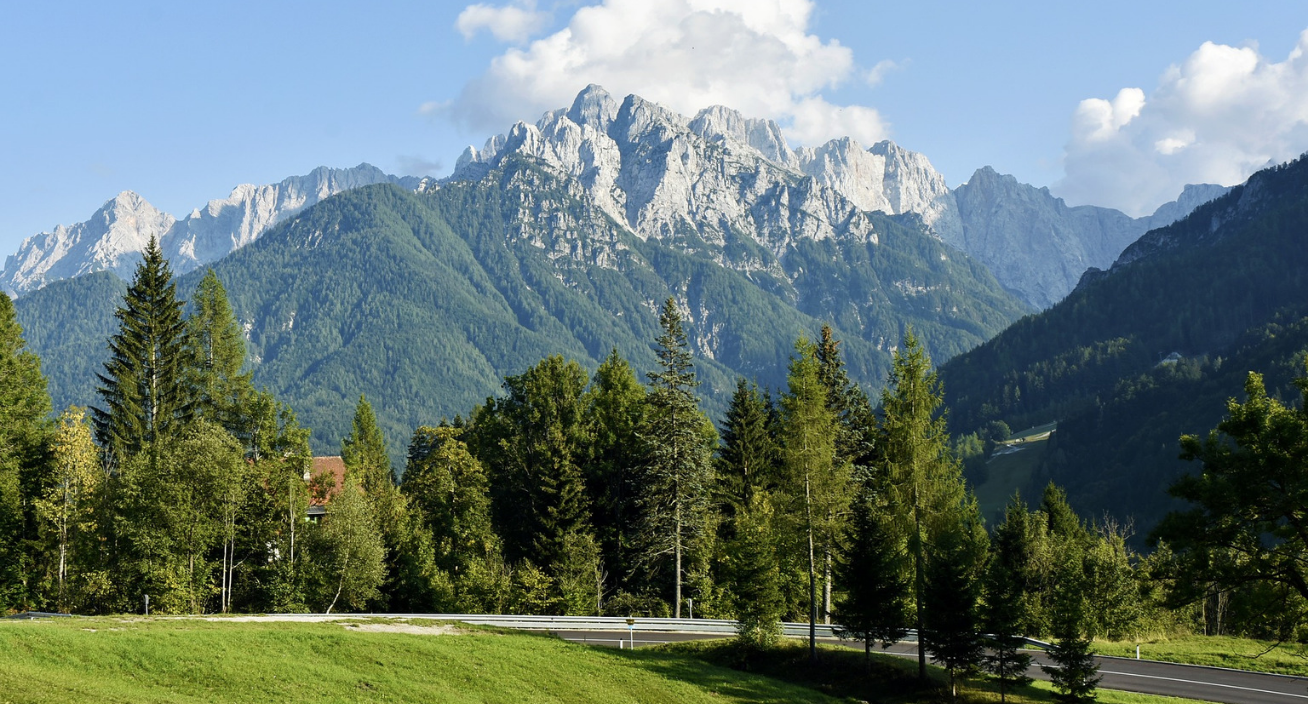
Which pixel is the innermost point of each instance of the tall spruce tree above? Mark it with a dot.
(951, 618)
(223, 388)
(855, 427)
(1008, 578)
(816, 481)
(676, 481)
(145, 396)
(753, 577)
(24, 430)
(1074, 673)
(747, 458)
(925, 481)
(873, 569)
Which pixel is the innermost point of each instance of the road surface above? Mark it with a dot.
(1144, 676)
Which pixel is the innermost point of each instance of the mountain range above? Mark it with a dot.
(660, 173)
(1151, 348)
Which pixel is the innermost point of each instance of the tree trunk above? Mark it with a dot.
(812, 574)
(918, 585)
(340, 585)
(677, 547)
(826, 586)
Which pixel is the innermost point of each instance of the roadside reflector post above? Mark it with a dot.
(1137, 651)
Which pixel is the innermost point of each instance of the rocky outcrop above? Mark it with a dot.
(1039, 247)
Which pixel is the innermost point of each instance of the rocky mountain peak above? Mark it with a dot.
(593, 107)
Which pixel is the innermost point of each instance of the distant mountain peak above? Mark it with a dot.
(115, 235)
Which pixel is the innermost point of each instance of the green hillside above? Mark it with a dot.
(1223, 288)
(425, 301)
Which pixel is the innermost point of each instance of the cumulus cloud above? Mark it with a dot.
(515, 23)
(1217, 117)
(756, 56)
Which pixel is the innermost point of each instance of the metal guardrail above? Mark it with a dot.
(705, 626)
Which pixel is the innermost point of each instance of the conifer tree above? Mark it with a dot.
(753, 577)
(817, 482)
(873, 570)
(449, 487)
(855, 427)
(24, 406)
(145, 396)
(1008, 578)
(1074, 673)
(615, 411)
(223, 389)
(952, 588)
(533, 442)
(747, 458)
(364, 452)
(677, 478)
(925, 481)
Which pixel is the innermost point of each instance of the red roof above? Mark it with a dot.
(332, 466)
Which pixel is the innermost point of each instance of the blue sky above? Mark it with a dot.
(1116, 103)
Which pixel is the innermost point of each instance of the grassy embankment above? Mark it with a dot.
(1217, 651)
(191, 660)
(1010, 468)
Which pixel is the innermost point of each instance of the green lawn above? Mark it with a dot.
(1011, 468)
(229, 660)
(1217, 651)
(174, 660)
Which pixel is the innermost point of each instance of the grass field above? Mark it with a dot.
(844, 674)
(1010, 468)
(121, 660)
(226, 660)
(1217, 651)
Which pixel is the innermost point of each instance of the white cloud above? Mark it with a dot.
(515, 23)
(756, 56)
(877, 73)
(1217, 117)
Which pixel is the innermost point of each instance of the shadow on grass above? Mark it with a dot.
(841, 673)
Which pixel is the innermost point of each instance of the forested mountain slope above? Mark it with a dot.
(1202, 291)
(425, 301)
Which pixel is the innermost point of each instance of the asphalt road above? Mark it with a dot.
(1145, 676)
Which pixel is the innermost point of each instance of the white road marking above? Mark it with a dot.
(1207, 684)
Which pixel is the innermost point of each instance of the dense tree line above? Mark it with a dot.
(568, 493)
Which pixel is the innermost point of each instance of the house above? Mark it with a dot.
(326, 476)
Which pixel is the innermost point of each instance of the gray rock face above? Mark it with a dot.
(718, 177)
(1039, 247)
(115, 236)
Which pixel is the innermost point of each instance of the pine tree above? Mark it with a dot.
(364, 452)
(747, 458)
(24, 431)
(223, 391)
(1008, 578)
(678, 474)
(752, 576)
(146, 399)
(950, 597)
(873, 570)
(817, 483)
(925, 481)
(1074, 674)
